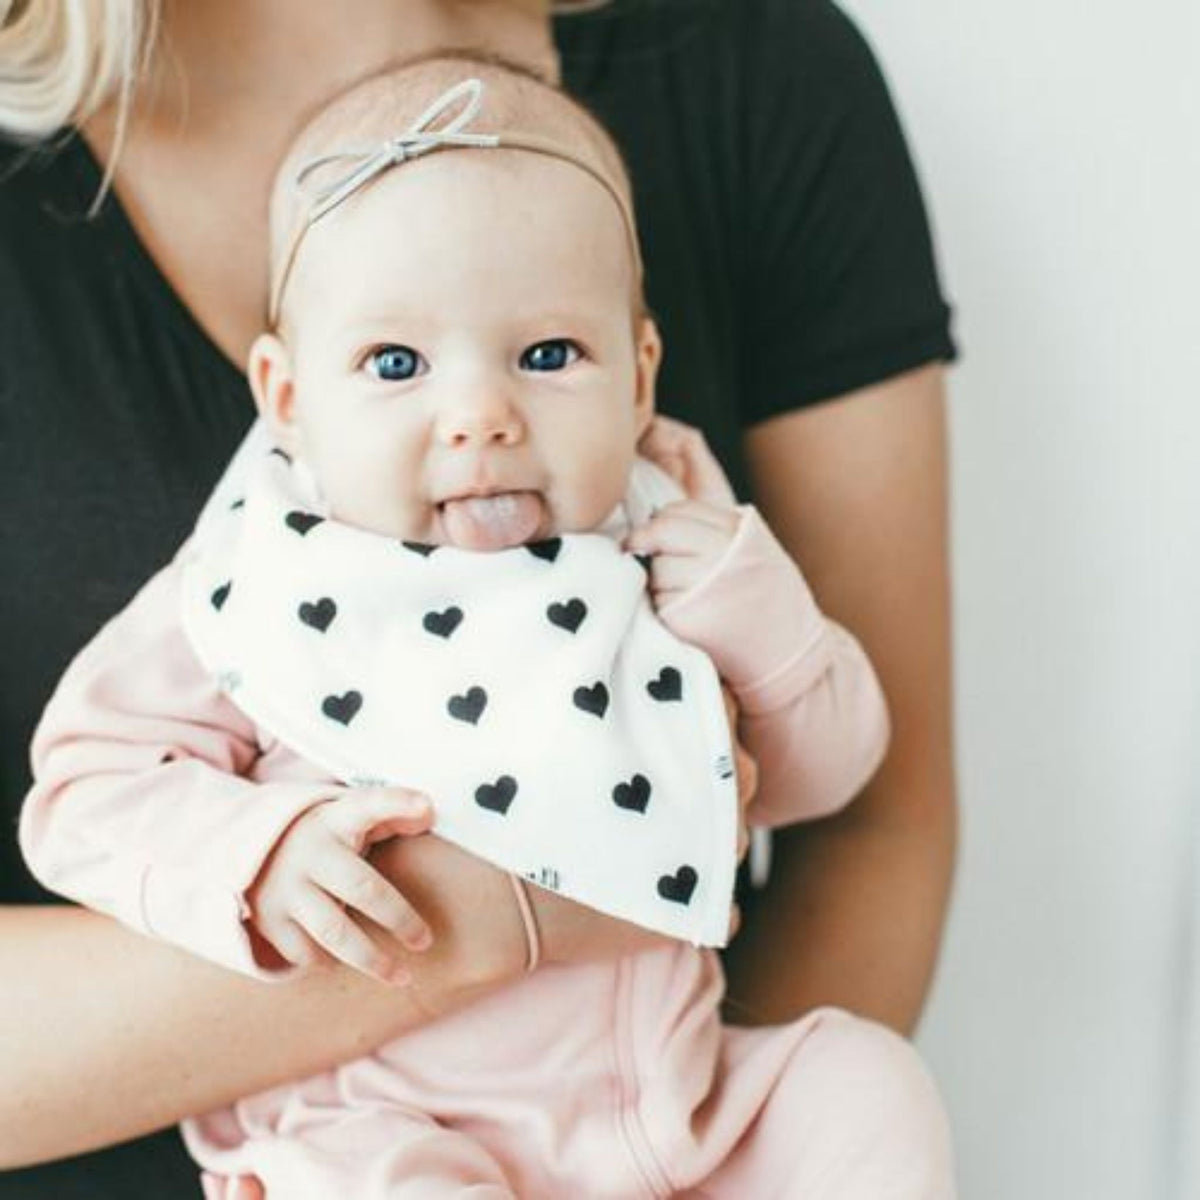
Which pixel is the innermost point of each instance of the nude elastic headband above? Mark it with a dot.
(366, 165)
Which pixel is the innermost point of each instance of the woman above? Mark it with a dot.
(788, 263)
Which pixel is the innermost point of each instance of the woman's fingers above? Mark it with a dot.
(746, 769)
(684, 454)
(231, 1187)
(352, 881)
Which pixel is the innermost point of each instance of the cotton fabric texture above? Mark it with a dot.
(157, 799)
(563, 732)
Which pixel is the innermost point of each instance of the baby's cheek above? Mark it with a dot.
(584, 503)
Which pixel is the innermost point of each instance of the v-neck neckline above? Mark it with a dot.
(134, 255)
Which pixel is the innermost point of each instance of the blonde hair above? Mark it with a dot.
(60, 60)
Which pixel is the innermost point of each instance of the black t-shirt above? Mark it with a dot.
(788, 262)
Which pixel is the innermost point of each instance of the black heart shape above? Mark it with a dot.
(318, 615)
(444, 623)
(468, 707)
(287, 458)
(219, 597)
(546, 550)
(592, 699)
(342, 708)
(424, 549)
(668, 685)
(678, 888)
(302, 522)
(634, 795)
(567, 616)
(496, 797)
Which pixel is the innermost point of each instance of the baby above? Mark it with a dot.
(459, 372)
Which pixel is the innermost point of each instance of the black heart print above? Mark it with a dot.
(678, 888)
(468, 707)
(668, 685)
(342, 709)
(219, 597)
(302, 522)
(444, 623)
(496, 797)
(634, 795)
(421, 548)
(592, 699)
(319, 615)
(567, 616)
(546, 550)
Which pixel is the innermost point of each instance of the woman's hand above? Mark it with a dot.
(682, 452)
(746, 770)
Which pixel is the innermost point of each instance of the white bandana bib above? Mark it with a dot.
(562, 732)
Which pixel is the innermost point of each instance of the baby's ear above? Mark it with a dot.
(270, 373)
(649, 355)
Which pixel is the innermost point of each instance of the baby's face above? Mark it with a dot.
(461, 362)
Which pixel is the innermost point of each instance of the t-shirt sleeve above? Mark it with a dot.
(841, 285)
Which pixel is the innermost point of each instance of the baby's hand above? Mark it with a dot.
(317, 872)
(684, 539)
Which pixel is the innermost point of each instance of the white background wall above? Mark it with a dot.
(1059, 145)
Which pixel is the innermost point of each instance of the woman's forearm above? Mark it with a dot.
(105, 1035)
(857, 491)
(852, 917)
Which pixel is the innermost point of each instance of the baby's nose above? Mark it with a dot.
(485, 417)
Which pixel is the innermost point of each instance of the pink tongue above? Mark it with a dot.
(492, 522)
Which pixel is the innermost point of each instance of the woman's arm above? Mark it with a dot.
(856, 491)
(105, 1034)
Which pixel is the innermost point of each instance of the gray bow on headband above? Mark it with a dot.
(420, 138)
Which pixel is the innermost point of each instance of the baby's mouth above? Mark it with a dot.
(493, 522)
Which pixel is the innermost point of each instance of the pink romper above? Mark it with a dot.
(157, 801)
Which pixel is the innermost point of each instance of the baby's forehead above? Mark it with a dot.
(386, 105)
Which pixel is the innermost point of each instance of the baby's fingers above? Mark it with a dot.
(342, 938)
(291, 943)
(363, 816)
(356, 884)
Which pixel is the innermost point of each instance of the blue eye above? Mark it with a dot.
(393, 364)
(550, 356)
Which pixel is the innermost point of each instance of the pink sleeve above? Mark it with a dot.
(140, 808)
(813, 713)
